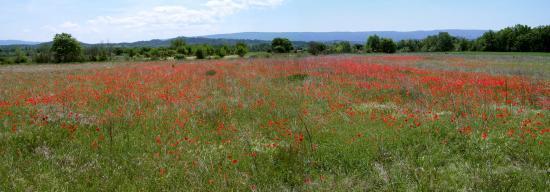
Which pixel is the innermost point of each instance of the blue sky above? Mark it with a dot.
(132, 20)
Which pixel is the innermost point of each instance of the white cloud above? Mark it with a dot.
(181, 15)
(166, 20)
(69, 25)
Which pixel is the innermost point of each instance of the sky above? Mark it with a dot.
(133, 20)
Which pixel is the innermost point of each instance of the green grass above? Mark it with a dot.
(542, 54)
(233, 115)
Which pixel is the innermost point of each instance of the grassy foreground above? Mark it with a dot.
(422, 122)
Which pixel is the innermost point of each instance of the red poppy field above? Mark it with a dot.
(420, 122)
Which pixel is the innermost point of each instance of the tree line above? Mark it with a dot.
(519, 38)
(64, 48)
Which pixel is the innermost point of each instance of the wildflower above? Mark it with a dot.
(94, 145)
(510, 132)
(307, 181)
(299, 138)
(157, 140)
(484, 135)
(162, 171)
(465, 130)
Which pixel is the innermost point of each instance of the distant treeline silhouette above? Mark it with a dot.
(64, 48)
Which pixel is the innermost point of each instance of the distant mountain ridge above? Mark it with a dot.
(346, 36)
(17, 42)
(254, 38)
(157, 42)
(188, 40)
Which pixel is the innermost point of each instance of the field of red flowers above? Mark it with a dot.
(418, 122)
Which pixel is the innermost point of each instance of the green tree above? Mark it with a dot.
(342, 47)
(488, 41)
(178, 48)
(132, 52)
(373, 44)
(20, 56)
(281, 45)
(209, 50)
(66, 48)
(144, 51)
(523, 39)
(222, 51)
(525, 42)
(118, 51)
(169, 53)
(358, 47)
(412, 45)
(316, 48)
(241, 49)
(154, 54)
(462, 44)
(177, 43)
(387, 45)
(43, 54)
(507, 38)
(97, 53)
(201, 52)
(438, 43)
(182, 50)
(542, 38)
(444, 42)
(429, 44)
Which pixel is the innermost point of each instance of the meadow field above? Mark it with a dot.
(401, 122)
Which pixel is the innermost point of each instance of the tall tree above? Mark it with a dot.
(345, 47)
(281, 45)
(66, 48)
(201, 52)
(316, 48)
(542, 38)
(20, 56)
(358, 47)
(488, 41)
(222, 51)
(387, 45)
(444, 42)
(373, 44)
(177, 43)
(42, 54)
(241, 49)
(412, 45)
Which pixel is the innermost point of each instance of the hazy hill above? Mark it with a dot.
(17, 42)
(345, 36)
(159, 42)
(299, 38)
(190, 41)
